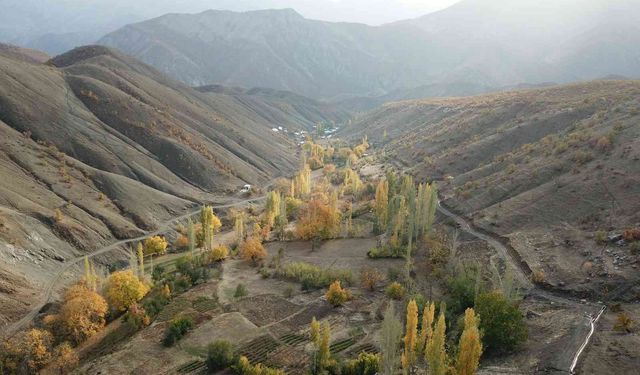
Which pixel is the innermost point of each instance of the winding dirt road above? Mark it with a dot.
(567, 359)
(47, 293)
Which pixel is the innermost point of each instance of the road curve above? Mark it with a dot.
(11, 329)
(522, 275)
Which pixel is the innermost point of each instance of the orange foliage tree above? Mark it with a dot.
(82, 314)
(252, 250)
(319, 218)
(28, 351)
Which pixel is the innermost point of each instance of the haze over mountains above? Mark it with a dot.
(473, 46)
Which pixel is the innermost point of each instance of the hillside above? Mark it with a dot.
(96, 146)
(546, 168)
(472, 47)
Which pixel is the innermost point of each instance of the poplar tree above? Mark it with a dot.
(470, 346)
(410, 337)
(140, 252)
(426, 331)
(391, 334)
(436, 354)
(382, 204)
(238, 227)
(191, 236)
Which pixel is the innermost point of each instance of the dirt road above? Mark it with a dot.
(47, 293)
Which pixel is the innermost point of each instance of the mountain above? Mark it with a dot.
(470, 47)
(57, 26)
(96, 146)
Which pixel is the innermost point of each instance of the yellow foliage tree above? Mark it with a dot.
(82, 314)
(382, 204)
(123, 289)
(426, 330)
(252, 250)
(30, 350)
(470, 347)
(436, 354)
(319, 218)
(155, 245)
(315, 331)
(411, 332)
(219, 253)
(336, 295)
(65, 359)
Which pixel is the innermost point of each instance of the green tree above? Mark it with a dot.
(501, 322)
(391, 333)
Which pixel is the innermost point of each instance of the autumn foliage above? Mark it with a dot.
(318, 218)
(337, 295)
(81, 316)
(124, 289)
(155, 245)
(252, 250)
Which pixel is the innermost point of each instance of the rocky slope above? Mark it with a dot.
(546, 168)
(96, 146)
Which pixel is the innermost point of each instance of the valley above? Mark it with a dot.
(260, 193)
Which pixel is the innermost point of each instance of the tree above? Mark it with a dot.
(391, 333)
(501, 322)
(336, 295)
(30, 350)
(123, 289)
(324, 354)
(238, 226)
(470, 347)
(252, 250)
(191, 236)
(365, 364)
(436, 354)
(426, 331)
(82, 314)
(382, 204)
(315, 331)
(369, 278)
(65, 359)
(319, 218)
(220, 356)
(140, 252)
(272, 207)
(210, 224)
(155, 245)
(410, 336)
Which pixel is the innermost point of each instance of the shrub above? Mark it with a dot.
(600, 237)
(538, 277)
(252, 250)
(634, 248)
(462, 292)
(155, 245)
(582, 157)
(241, 291)
(365, 364)
(182, 242)
(336, 295)
(176, 330)
(220, 356)
(158, 273)
(395, 290)
(501, 322)
(631, 234)
(136, 317)
(288, 292)
(603, 143)
(369, 278)
(624, 323)
(219, 253)
(314, 277)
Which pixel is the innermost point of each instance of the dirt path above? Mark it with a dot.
(47, 293)
(565, 361)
